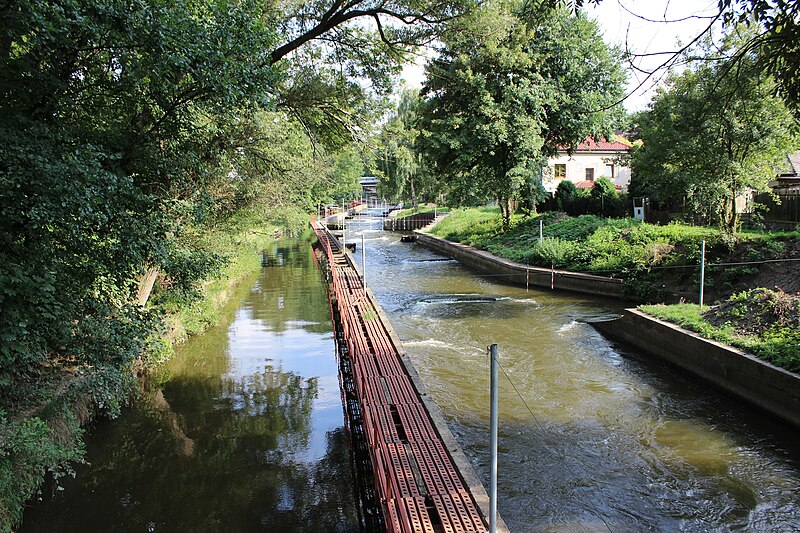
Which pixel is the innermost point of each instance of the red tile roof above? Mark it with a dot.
(591, 145)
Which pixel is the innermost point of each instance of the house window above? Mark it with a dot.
(589, 174)
(609, 171)
(560, 171)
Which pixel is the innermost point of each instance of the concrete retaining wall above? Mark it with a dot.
(773, 389)
(519, 274)
(412, 222)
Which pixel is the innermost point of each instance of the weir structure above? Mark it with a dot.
(417, 481)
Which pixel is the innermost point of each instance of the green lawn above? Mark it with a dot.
(584, 243)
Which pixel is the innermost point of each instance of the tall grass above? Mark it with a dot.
(583, 243)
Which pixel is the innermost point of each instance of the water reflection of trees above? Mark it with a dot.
(289, 293)
(213, 462)
(208, 452)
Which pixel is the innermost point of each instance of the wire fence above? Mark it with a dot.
(623, 271)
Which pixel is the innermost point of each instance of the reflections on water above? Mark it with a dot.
(243, 431)
(592, 437)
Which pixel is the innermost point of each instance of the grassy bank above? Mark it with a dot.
(421, 208)
(762, 322)
(659, 263)
(585, 243)
(46, 438)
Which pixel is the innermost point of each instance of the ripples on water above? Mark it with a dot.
(593, 437)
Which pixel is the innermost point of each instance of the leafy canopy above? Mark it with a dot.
(510, 87)
(709, 136)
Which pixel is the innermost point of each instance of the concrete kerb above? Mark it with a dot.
(766, 386)
(465, 469)
(519, 274)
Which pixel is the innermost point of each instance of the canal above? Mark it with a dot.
(244, 429)
(593, 437)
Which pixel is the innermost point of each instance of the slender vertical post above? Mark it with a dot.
(344, 237)
(702, 270)
(363, 262)
(541, 231)
(527, 278)
(493, 430)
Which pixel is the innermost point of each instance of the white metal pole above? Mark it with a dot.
(702, 270)
(363, 262)
(541, 231)
(493, 430)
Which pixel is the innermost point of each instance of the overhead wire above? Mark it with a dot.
(656, 267)
(541, 428)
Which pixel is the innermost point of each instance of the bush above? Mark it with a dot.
(566, 192)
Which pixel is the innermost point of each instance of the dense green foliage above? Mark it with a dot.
(709, 137)
(129, 132)
(403, 172)
(510, 87)
(583, 243)
(602, 199)
(776, 40)
(29, 452)
(760, 321)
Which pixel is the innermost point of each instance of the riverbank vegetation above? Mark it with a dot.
(43, 435)
(145, 148)
(762, 322)
(659, 263)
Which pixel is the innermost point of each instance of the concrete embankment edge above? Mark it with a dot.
(519, 274)
(773, 389)
(469, 476)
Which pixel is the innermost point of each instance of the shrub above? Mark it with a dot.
(566, 192)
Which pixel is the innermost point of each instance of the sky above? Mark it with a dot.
(645, 26)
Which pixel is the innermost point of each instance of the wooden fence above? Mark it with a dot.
(785, 207)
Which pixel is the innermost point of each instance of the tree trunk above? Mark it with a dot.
(146, 282)
(505, 211)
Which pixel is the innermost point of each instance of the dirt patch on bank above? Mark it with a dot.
(775, 266)
(757, 311)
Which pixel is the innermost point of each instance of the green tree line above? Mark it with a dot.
(129, 127)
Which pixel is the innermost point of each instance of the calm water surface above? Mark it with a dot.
(592, 437)
(244, 431)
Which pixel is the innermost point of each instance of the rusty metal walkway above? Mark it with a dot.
(416, 480)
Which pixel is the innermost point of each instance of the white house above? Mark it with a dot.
(590, 161)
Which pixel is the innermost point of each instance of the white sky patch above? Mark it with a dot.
(661, 26)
